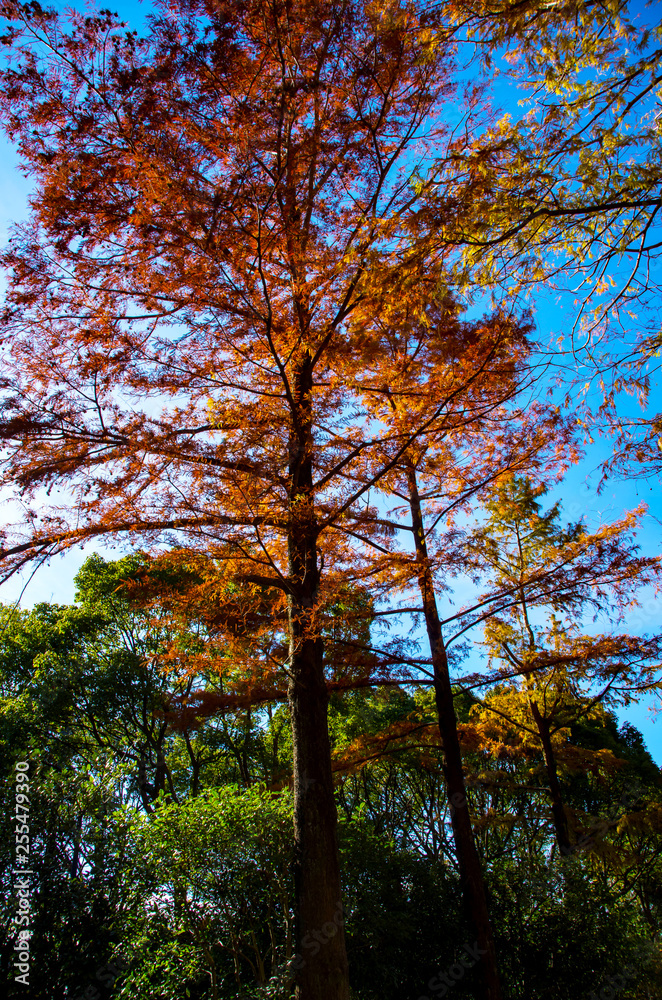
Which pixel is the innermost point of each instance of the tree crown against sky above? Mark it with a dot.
(574, 175)
(160, 263)
(207, 216)
(206, 220)
(562, 580)
(210, 202)
(139, 277)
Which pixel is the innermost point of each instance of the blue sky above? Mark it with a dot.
(578, 491)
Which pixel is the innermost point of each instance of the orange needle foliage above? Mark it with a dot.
(212, 205)
(541, 568)
(200, 345)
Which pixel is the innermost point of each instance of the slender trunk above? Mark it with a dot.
(558, 809)
(468, 859)
(320, 965)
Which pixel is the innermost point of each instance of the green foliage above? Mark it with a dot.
(405, 919)
(180, 885)
(211, 878)
(564, 930)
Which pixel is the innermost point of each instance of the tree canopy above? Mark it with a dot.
(240, 339)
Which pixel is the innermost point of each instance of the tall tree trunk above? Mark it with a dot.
(470, 868)
(321, 970)
(558, 809)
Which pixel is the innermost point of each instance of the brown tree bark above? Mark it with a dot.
(320, 965)
(469, 862)
(558, 809)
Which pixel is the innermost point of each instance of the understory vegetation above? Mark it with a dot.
(162, 845)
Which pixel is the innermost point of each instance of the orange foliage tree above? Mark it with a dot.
(200, 349)
(463, 382)
(551, 577)
(212, 203)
